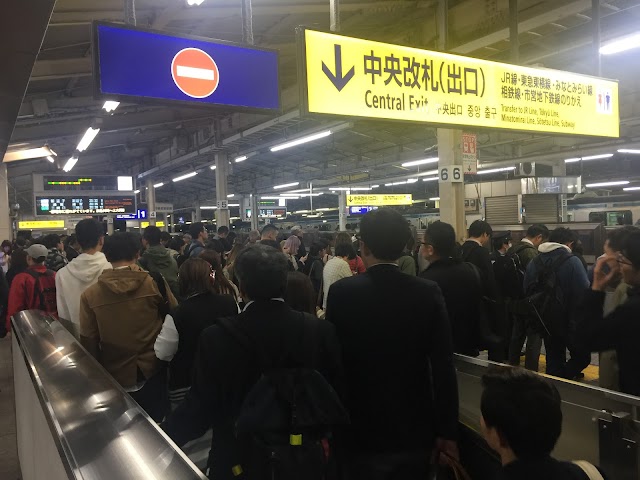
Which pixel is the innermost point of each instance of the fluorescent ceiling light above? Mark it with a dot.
(300, 141)
(267, 197)
(286, 185)
(230, 195)
(607, 184)
(158, 185)
(496, 170)
(412, 180)
(424, 161)
(110, 105)
(50, 158)
(208, 207)
(136, 191)
(28, 153)
(621, 45)
(430, 179)
(125, 184)
(362, 189)
(233, 205)
(396, 183)
(591, 157)
(325, 209)
(184, 177)
(212, 167)
(630, 189)
(341, 188)
(572, 160)
(70, 164)
(241, 158)
(297, 191)
(301, 211)
(434, 199)
(191, 3)
(87, 138)
(375, 186)
(628, 150)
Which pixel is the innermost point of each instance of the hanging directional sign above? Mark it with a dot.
(470, 152)
(361, 78)
(134, 64)
(379, 200)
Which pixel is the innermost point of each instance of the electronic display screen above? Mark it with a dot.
(84, 183)
(360, 210)
(84, 205)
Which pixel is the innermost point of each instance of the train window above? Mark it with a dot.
(611, 218)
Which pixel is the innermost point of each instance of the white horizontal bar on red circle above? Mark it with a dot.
(192, 72)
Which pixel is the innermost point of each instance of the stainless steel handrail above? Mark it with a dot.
(99, 431)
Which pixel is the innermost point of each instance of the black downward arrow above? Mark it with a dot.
(338, 80)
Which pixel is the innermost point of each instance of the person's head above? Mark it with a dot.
(165, 238)
(254, 236)
(616, 238)
(63, 238)
(198, 232)
(480, 231)
(36, 254)
(223, 231)
(122, 248)
(439, 241)
(151, 236)
(196, 276)
(343, 237)
(176, 243)
(90, 234)
(317, 249)
(563, 236)
(537, 234)
(291, 245)
(19, 260)
(502, 242)
(521, 413)
(300, 293)
(384, 234)
(345, 251)
(187, 238)
(53, 241)
(21, 242)
(6, 247)
(262, 273)
(72, 241)
(297, 231)
(629, 259)
(217, 245)
(269, 232)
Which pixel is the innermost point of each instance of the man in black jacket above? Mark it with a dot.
(620, 329)
(460, 284)
(396, 343)
(224, 371)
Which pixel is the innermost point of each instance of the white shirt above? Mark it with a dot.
(166, 344)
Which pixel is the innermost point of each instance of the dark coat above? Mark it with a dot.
(525, 252)
(472, 252)
(545, 468)
(191, 317)
(462, 291)
(395, 338)
(620, 331)
(225, 372)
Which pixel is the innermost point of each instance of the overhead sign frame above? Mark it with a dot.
(335, 72)
(185, 100)
(379, 200)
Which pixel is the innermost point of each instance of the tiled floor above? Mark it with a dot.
(9, 467)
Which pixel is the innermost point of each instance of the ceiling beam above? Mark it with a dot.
(65, 68)
(525, 25)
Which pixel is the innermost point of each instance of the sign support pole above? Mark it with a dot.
(514, 43)
(334, 20)
(254, 211)
(451, 193)
(130, 12)
(342, 211)
(222, 168)
(595, 19)
(247, 22)
(151, 202)
(5, 219)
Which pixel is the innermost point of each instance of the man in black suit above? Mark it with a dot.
(396, 344)
(225, 371)
(460, 284)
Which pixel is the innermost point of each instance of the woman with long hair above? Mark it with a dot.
(237, 248)
(201, 307)
(300, 293)
(290, 249)
(5, 256)
(355, 262)
(221, 285)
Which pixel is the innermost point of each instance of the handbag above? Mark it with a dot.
(452, 469)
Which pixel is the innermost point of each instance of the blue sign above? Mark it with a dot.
(360, 210)
(140, 215)
(132, 62)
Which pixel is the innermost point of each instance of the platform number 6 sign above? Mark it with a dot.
(451, 174)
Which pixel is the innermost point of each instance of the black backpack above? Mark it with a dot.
(284, 428)
(181, 258)
(544, 299)
(44, 292)
(165, 306)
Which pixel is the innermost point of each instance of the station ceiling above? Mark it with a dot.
(160, 142)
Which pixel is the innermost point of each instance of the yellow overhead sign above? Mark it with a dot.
(159, 223)
(33, 224)
(362, 78)
(379, 200)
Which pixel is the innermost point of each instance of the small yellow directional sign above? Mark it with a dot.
(379, 200)
(361, 78)
(33, 224)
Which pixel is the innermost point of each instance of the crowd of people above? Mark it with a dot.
(348, 330)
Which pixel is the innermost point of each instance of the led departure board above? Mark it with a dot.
(79, 183)
(84, 205)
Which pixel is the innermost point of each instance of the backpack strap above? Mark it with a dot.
(165, 308)
(592, 472)
(37, 290)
